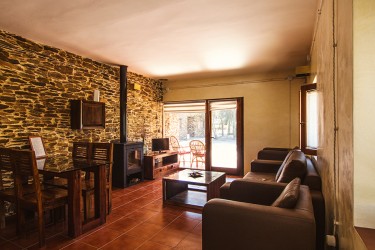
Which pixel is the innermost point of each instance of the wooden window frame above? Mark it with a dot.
(303, 128)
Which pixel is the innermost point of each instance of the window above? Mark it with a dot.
(309, 119)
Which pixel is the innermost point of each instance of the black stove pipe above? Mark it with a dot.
(123, 102)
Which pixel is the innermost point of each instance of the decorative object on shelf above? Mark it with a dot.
(195, 174)
(96, 95)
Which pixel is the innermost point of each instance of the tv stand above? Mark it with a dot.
(160, 164)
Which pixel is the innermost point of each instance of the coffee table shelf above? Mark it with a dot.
(181, 189)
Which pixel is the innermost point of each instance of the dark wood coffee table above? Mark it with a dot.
(181, 189)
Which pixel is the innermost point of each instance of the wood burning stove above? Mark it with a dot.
(128, 164)
(127, 156)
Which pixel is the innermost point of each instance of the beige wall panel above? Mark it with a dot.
(364, 118)
(335, 79)
(271, 108)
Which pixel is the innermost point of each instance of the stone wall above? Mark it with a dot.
(37, 81)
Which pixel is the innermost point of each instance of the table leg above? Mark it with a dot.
(100, 193)
(213, 189)
(74, 204)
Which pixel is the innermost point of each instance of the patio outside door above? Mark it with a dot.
(225, 136)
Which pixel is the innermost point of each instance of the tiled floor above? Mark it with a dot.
(138, 221)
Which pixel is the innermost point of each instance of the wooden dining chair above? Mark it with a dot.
(7, 194)
(198, 152)
(81, 150)
(99, 152)
(37, 145)
(24, 165)
(182, 151)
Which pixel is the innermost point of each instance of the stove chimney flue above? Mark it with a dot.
(123, 102)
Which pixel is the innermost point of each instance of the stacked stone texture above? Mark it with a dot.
(37, 81)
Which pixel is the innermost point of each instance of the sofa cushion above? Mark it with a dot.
(294, 166)
(283, 164)
(289, 197)
(260, 176)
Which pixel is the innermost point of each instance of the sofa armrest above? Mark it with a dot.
(265, 166)
(258, 192)
(245, 225)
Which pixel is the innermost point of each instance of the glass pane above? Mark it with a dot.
(312, 119)
(224, 134)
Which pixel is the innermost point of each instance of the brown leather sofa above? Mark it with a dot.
(248, 221)
(273, 172)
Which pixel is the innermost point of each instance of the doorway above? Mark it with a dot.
(217, 123)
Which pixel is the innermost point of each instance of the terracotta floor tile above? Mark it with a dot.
(79, 246)
(191, 242)
(120, 191)
(169, 237)
(149, 245)
(145, 230)
(55, 242)
(156, 205)
(124, 242)
(9, 231)
(141, 214)
(114, 215)
(135, 204)
(124, 224)
(138, 220)
(27, 239)
(162, 218)
(101, 237)
(125, 209)
(142, 201)
(116, 202)
(183, 224)
(192, 215)
(173, 209)
(9, 246)
(198, 230)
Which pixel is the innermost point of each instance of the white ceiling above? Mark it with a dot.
(173, 39)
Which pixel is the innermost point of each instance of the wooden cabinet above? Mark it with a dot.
(158, 165)
(87, 114)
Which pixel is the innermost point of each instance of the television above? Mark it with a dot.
(160, 144)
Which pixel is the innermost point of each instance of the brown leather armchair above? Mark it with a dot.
(247, 221)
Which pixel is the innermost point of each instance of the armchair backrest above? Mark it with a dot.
(174, 143)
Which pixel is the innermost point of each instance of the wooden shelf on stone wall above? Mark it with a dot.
(87, 114)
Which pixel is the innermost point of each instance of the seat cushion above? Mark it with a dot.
(289, 197)
(294, 166)
(260, 176)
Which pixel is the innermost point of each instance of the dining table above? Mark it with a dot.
(63, 166)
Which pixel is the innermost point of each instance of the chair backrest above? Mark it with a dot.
(5, 164)
(174, 143)
(36, 143)
(81, 150)
(24, 164)
(197, 146)
(103, 152)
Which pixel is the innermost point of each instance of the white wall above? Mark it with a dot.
(271, 107)
(364, 114)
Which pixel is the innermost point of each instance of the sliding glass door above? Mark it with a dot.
(215, 123)
(225, 135)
